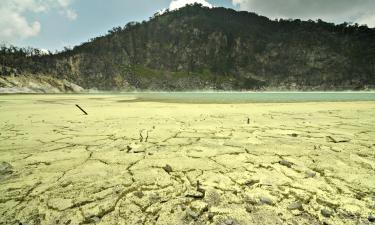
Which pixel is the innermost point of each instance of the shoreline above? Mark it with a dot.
(221, 97)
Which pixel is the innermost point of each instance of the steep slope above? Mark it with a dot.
(36, 84)
(201, 48)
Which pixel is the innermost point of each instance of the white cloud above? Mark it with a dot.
(176, 4)
(64, 3)
(368, 19)
(14, 25)
(360, 11)
(71, 14)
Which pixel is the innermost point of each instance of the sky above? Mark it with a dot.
(55, 24)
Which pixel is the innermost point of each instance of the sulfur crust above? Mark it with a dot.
(289, 164)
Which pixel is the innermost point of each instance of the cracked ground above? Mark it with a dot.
(130, 162)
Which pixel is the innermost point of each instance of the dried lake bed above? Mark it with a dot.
(159, 161)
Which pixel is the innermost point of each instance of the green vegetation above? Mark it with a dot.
(199, 48)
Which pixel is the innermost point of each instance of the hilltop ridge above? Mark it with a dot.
(221, 49)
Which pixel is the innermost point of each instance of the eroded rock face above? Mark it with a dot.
(36, 84)
(201, 164)
(5, 168)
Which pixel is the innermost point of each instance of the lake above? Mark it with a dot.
(251, 97)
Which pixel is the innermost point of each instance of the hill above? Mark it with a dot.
(201, 48)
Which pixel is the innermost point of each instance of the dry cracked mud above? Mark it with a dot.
(169, 163)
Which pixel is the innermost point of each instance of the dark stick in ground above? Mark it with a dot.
(82, 109)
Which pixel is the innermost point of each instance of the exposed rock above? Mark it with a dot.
(250, 208)
(251, 182)
(286, 163)
(200, 189)
(199, 206)
(94, 219)
(251, 199)
(310, 174)
(37, 84)
(228, 222)
(5, 168)
(192, 214)
(194, 194)
(71, 87)
(266, 200)
(326, 212)
(371, 218)
(139, 194)
(295, 205)
(167, 168)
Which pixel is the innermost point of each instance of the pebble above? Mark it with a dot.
(249, 208)
(228, 222)
(192, 214)
(266, 200)
(295, 205)
(326, 212)
(95, 219)
(310, 174)
(371, 218)
(167, 168)
(139, 194)
(286, 163)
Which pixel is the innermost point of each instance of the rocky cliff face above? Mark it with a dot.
(36, 84)
(201, 48)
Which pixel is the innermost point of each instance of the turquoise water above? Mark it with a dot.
(247, 97)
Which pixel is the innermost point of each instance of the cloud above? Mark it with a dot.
(176, 4)
(64, 3)
(66, 11)
(368, 19)
(361, 11)
(14, 25)
(70, 14)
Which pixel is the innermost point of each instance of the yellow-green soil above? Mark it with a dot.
(169, 163)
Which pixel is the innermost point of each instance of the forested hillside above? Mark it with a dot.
(201, 48)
